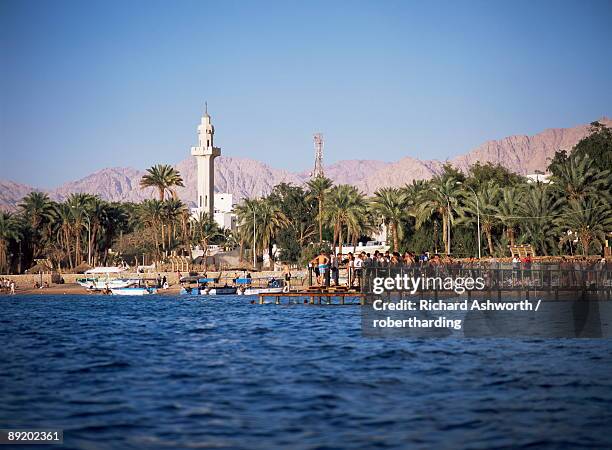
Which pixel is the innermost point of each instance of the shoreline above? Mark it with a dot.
(24, 283)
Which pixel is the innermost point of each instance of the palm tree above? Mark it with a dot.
(162, 177)
(151, 215)
(261, 219)
(577, 178)
(246, 211)
(413, 191)
(488, 200)
(203, 229)
(345, 208)
(270, 220)
(318, 188)
(63, 225)
(114, 222)
(300, 206)
(390, 205)
(442, 198)
(9, 231)
(509, 211)
(174, 211)
(538, 209)
(79, 206)
(589, 218)
(37, 209)
(96, 211)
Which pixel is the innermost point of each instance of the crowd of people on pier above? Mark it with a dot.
(327, 266)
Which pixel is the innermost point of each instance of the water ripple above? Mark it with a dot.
(221, 373)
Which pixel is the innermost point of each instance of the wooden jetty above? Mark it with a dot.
(542, 282)
(317, 295)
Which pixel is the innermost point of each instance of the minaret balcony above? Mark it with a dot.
(205, 151)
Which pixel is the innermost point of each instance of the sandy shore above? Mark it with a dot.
(75, 289)
(24, 284)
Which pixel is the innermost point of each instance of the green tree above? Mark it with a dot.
(589, 219)
(115, 222)
(174, 212)
(301, 211)
(539, 208)
(598, 146)
(37, 209)
(273, 220)
(63, 226)
(164, 178)
(390, 206)
(509, 211)
(441, 198)
(318, 188)
(577, 177)
(482, 174)
(203, 230)
(151, 215)
(9, 231)
(487, 204)
(451, 172)
(79, 204)
(345, 209)
(246, 212)
(96, 210)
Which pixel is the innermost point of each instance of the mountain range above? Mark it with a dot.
(244, 177)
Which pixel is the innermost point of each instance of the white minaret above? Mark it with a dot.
(205, 154)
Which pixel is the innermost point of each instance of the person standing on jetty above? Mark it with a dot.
(321, 262)
(287, 276)
(335, 268)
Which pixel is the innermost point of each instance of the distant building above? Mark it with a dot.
(224, 211)
(538, 178)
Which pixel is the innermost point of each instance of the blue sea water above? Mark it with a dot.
(163, 372)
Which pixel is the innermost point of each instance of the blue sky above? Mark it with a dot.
(87, 85)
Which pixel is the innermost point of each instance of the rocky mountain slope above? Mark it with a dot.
(244, 177)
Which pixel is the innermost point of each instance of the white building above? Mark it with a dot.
(538, 178)
(224, 211)
(219, 207)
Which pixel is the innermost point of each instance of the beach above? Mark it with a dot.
(26, 284)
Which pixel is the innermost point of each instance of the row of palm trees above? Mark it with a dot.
(61, 231)
(86, 229)
(572, 211)
(574, 208)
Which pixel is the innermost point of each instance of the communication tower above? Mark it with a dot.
(318, 165)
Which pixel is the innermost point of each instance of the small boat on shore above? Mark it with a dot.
(205, 286)
(102, 278)
(99, 284)
(133, 290)
(221, 290)
(265, 286)
(257, 291)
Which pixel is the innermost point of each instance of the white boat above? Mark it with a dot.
(270, 285)
(100, 278)
(135, 290)
(98, 284)
(222, 290)
(264, 290)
